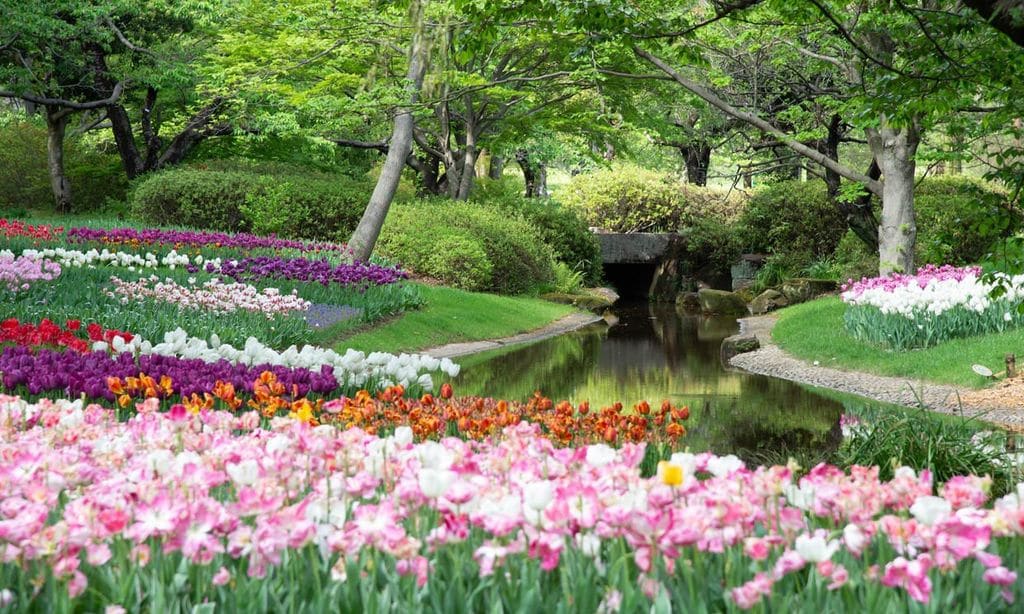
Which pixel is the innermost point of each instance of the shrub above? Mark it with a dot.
(23, 171)
(854, 259)
(95, 176)
(560, 227)
(468, 245)
(793, 220)
(265, 197)
(958, 219)
(632, 199)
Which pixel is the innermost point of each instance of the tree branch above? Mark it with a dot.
(69, 104)
(873, 185)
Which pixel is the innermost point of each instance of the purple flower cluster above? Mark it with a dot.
(198, 239)
(303, 269)
(72, 373)
(924, 276)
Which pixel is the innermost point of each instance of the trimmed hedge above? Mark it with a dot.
(628, 198)
(467, 245)
(560, 227)
(263, 198)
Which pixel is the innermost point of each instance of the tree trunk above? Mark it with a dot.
(365, 236)
(697, 157)
(124, 138)
(496, 167)
(56, 125)
(858, 214)
(534, 176)
(541, 189)
(894, 149)
(429, 176)
(469, 156)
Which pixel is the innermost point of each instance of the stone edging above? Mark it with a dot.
(567, 324)
(772, 361)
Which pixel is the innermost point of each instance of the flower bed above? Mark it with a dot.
(114, 513)
(47, 333)
(93, 257)
(321, 272)
(212, 295)
(16, 228)
(191, 238)
(938, 303)
(18, 273)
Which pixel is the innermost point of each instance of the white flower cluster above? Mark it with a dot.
(353, 368)
(936, 296)
(93, 257)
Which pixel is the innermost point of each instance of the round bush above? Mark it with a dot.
(445, 239)
(793, 220)
(632, 199)
(560, 227)
(266, 198)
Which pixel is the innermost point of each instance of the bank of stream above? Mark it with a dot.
(653, 353)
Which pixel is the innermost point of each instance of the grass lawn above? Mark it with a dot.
(451, 316)
(814, 331)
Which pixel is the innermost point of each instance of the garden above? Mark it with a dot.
(316, 307)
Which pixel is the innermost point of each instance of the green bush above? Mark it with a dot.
(23, 173)
(958, 219)
(794, 221)
(561, 228)
(468, 245)
(631, 199)
(260, 197)
(854, 258)
(95, 176)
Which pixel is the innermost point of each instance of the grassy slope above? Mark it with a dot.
(451, 315)
(814, 331)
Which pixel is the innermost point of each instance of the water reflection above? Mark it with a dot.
(654, 354)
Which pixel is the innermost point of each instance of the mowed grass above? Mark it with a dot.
(450, 316)
(814, 331)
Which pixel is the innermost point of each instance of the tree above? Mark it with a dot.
(365, 236)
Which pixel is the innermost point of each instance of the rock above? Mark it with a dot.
(610, 318)
(721, 302)
(738, 344)
(802, 289)
(606, 293)
(769, 300)
(688, 303)
(590, 302)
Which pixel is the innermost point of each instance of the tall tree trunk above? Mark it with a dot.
(697, 156)
(496, 168)
(894, 149)
(56, 125)
(124, 138)
(858, 214)
(541, 189)
(530, 177)
(365, 236)
(469, 156)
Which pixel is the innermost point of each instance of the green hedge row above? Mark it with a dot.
(498, 242)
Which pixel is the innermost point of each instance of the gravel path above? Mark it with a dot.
(770, 360)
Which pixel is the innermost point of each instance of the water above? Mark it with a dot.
(653, 353)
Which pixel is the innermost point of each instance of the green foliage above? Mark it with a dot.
(712, 245)
(628, 198)
(959, 218)
(262, 198)
(793, 220)
(23, 172)
(947, 447)
(854, 259)
(561, 228)
(468, 245)
(95, 175)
